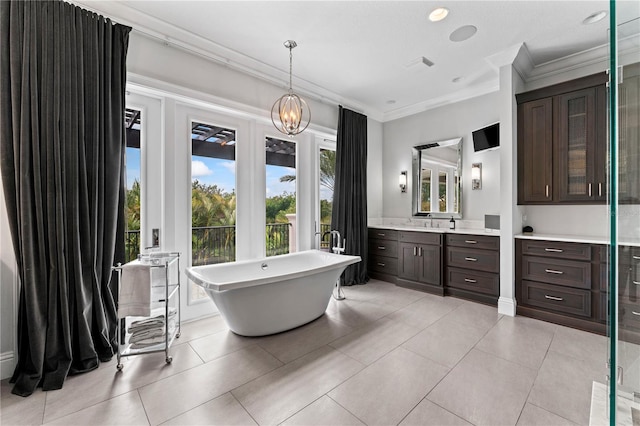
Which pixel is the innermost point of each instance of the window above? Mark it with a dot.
(133, 173)
(280, 199)
(213, 197)
(326, 182)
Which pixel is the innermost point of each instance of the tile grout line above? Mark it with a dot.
(345, 408)
(143, 406)
(243, 407)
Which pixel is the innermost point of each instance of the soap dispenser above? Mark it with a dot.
(452, 223)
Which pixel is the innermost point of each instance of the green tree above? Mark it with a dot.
(132, 207)
(327, 170)
(279, 205)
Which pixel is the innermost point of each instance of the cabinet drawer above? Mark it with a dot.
(629, 256)
(603, 308)
(383, 234)
(556, 298)
(383, 264)
(556, 271)
(480, 282)
(558, 250)
(473, 241)
(630, 316)
(431, 238)
(629, 283)
(479, 260)
(383, 248)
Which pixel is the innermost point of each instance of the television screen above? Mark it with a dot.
(486, 138)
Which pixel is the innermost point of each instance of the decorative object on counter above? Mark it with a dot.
(452, 223)
(527, 230)
(403, 181)
(476, 176)
(290, 114)
(491, 222)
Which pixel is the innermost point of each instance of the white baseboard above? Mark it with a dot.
(7, 365)
(507, 306)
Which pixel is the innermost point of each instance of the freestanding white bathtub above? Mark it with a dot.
(274, 294)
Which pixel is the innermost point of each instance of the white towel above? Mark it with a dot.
(135, 290)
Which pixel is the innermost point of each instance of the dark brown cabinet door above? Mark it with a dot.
(575, 149)
(429, 264)
(535, 156)
(629, 136)
(407, 265)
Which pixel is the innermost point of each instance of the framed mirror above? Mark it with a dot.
(437, 167)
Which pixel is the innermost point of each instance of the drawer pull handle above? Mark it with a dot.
(380, 264)
(558, 299)
(415, 251)
(382, 248)
(380, 234)
(635, 313)
(471, 242)
(469, 280)
(636, 257)
(554, 250)
(471, 259)
(419, 251)
(636, 282)
(553, 271)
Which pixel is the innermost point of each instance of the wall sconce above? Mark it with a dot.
(403, 181)
(476, 176)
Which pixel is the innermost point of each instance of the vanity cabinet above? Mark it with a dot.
(383, 254)
(560, 282)
(473, 267)
(562, 143)
(420, 261)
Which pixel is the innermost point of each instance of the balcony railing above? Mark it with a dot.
(217, 244)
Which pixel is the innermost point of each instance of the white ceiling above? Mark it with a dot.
(357, 52)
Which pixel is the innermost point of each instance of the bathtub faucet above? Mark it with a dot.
(337, 245)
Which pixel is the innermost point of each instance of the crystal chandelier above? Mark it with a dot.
(290, 114)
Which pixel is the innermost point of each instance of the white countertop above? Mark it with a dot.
(468, 231)
(579, 239)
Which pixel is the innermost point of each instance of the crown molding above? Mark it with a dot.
(461, 95)
(171, 35)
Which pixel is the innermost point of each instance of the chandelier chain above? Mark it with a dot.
(290, 69)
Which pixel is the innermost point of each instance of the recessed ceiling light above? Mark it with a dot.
(595, 17)
(390, 102)
(463, 33)
(438, 14)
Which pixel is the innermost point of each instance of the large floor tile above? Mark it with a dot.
(276, 396)
(445, 342)
(484, 389)
(580, 345)
(324, 411)
(475, 314)
(386, 391)
(521, 340)
(201, 327)
(424, 312)
(389, 294)
(219, 344)
(429, 414)
(177, 394)
(223, 410)
(536, 416)
(18, 410)
(357, 313)
(563, 386)
(300, 341)
(371, 342)
(125, 409)
(96, 386)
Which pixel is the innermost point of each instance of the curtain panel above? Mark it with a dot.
(62, 81)
(349, 213)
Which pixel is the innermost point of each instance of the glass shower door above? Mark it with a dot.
(624, 175)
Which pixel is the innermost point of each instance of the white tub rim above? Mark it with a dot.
(201, 280)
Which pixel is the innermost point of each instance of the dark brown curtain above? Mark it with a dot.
(62, 77)
(349, 212)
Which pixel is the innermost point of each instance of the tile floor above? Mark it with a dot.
(384, 356)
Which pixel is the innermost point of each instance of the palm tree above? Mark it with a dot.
(327, 170)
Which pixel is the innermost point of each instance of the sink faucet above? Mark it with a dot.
(430, 220)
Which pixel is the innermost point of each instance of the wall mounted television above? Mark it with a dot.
(486, 138)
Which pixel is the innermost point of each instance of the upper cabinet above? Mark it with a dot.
(562, 143)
